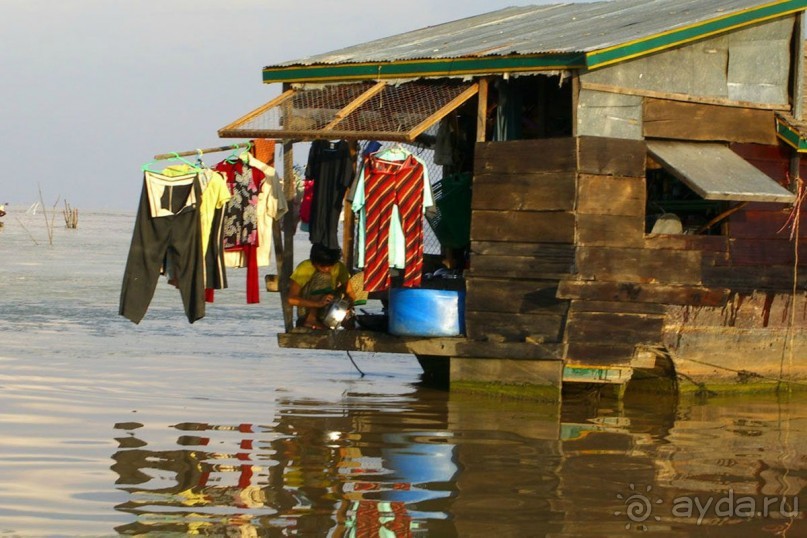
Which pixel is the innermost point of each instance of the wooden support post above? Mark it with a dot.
(285, 270)
(348, 231)
(482, 110)
(575, 102)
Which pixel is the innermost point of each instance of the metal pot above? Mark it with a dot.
(336, 313)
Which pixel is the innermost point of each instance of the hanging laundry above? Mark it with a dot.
(257, 200)
(444, 145)
(263, 149)
(166, 231)
(272, 206)
(305, 205)
(330, 165)
(215, 195)
(391, 195)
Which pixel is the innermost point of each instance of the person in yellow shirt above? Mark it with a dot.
(316, 283)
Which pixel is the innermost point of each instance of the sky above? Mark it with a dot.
(90, 90)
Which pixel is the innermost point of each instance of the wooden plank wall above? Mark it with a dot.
(522, 239)
(676, 120)
(613, 303)
(559, 253)
(624, 279)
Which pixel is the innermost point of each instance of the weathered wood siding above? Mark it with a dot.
(612, 294)
(559, 253)
(676, 120)
(522, 239)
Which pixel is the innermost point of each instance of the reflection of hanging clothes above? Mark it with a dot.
(331, 167)
(166, 231)
(257, 201)
(391, 194)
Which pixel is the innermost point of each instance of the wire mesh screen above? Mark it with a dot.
(357, 111)
(401, 108)
(304, 110)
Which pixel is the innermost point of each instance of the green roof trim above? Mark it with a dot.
(423, 68)
(791, 136)
(693, 32)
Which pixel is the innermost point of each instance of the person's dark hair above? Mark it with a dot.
(322, 255)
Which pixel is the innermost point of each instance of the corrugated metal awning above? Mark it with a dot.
(717, 173)
(356, 111)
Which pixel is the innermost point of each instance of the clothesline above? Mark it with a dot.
(188, 153)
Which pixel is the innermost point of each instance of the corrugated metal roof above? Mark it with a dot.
(541, 29)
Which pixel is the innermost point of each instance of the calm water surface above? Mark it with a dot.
(170, 429)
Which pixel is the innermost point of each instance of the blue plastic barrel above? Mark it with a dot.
(426, 312)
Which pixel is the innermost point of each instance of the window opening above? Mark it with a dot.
(674, 208)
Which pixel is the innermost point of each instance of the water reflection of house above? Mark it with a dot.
(459, 465)
(312, 472)
(658, 453)
(628, 183)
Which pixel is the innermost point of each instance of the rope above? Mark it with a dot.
(794, 220)
(349, 356)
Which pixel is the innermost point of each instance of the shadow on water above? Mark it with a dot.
(436, 463)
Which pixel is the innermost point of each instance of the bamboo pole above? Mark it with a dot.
(70, 216)
(24, 227)
(188, 153)
(309, 135)
(48, 223)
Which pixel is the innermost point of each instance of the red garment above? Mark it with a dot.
(305, 204)
(241, 218)
(389, 183)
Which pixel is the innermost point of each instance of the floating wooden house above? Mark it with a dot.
(636, 175)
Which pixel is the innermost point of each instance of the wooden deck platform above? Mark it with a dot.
(373, 341)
